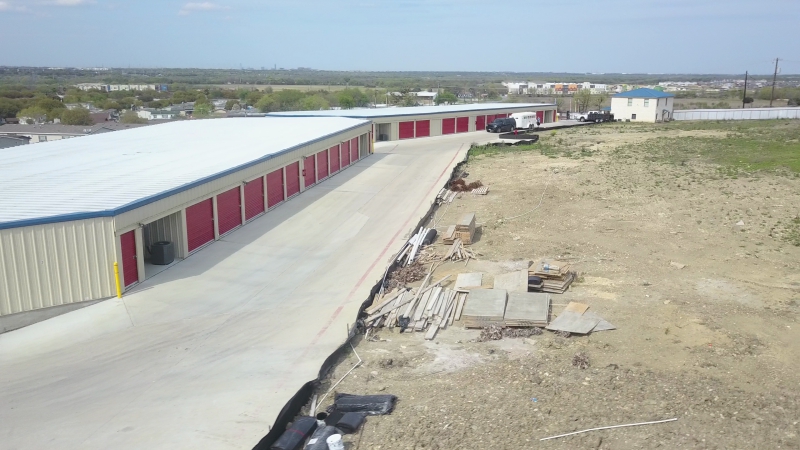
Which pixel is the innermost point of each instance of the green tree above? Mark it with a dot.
(34, 113)
(600, 100)
(346, 100)
(446, 97)
(202, 109)
(230, 103)
(131, 117)
(583, 98)
(8, 108)
(267, 104)
(253, 97)
(314, 103)
(77, 116)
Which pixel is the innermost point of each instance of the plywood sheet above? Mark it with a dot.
(573, 322)
(486, 303)
(469, 280)
(512, 282)
(528, 307)
(602, 325)
(579, 308)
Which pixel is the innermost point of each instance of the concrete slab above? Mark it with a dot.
(206, 353)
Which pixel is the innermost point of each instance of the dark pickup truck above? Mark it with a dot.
(500, 125)
(600, 117)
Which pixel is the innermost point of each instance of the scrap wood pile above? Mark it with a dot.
(459, 235)
(446, 196)
(412, 249)
(404, 275)
(426, 309)
(551, 276)
(458, 252)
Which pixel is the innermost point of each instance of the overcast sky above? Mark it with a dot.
(641, 36)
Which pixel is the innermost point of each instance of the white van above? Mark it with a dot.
(525, 120)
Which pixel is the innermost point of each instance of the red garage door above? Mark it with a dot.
(292, 179)
(130, 270)
(335, 159)
(423, 128)
(309, 171)
(406, 130)
(354, 150)
(490, 118)
(540, 116)
(200, 224)
(480, 123)
(275, 187)
(462, 124)
(322, 165)
(254, 198)
(345, 154)
(229, 210)
(500, 116)
(448, 126)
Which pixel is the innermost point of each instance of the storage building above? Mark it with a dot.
(391, 124)
(73, 208)
(642, 105)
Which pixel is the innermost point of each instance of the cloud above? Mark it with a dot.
(191, 7)
(9, 6)
(69, 2)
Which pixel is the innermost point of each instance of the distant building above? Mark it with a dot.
(120, 87)
(426, 98)
(56, 132)
(13, 141)
(642, 105)
(157, 114)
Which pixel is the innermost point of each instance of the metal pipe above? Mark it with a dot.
(116, 279)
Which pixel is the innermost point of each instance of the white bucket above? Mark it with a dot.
(335, 442)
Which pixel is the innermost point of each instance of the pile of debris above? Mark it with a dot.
(459, 185)
(446, 196)
(405, 275)
(464, 230)
(550, 276)
(426, 309)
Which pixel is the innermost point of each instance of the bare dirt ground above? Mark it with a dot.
(714, 344)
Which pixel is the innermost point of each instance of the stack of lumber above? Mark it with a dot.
(465, 228)
(484, 307)
(556, 275)
(458, 252)
(483, 190)
(526, 309)
(428, 309)
(411, 249)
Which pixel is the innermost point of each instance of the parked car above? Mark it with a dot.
(501, 125)
(598, 117)
(583, 117)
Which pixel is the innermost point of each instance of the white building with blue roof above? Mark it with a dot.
(642, 105)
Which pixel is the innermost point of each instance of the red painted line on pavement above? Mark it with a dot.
(374, 263)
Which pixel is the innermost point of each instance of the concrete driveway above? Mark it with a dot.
(206, 353)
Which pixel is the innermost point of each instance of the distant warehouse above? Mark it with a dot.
(73, 208)
(391, 124)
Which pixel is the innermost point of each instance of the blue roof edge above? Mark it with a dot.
(154, 198)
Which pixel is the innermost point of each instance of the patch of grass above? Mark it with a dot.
(749, 146)
(793, 232)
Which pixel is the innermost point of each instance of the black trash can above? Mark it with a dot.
(162, 253)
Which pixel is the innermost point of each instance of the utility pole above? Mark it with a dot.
(744, 96)
(774, 77)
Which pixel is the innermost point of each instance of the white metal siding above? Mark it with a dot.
(737, 114)
(55, 264)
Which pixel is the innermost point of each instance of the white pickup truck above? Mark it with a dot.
(582, 116)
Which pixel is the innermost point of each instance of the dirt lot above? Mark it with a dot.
(714, 344)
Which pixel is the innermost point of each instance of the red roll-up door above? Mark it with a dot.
(309, 171)
(200, 224)
(292, 179)
(335, 159)
(448, 126)
(423, 128)
(406, 130)
(254, 198)
(322, 165)
(275, 187)
(354, 155)
(345, 154)
(480, 123)
(130, 270)
(229, 210)
(462, 124)
(500, 116)
(490, 118)
(540, 116)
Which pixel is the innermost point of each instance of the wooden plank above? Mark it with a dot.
(469, 280)
(573, 322)
(512, 282)
(373, 309)
(461, 298)
(579, 308)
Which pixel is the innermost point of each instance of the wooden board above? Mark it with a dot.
(579, 308)
(525, 307)
(468, 280)
(512, 282)
(573, 322)
(487, 304)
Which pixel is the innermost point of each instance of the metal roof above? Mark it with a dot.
(57, 128)
(107, 174)
(643, 93)
(376, 113)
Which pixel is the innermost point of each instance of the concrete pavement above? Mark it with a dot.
(206, 353)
